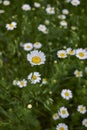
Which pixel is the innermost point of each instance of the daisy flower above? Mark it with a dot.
(26, 7)
(22, 83)
(34, 77)
(55, 116)
(50, 10)
(61, 54)
(2, 11)
(37, 45)
(43, 28)
(70, 51)
(66, 94)
(61, 126)
(28, 46)
(65, 11)
(81, 109)
(36, 57)
(44, 81)
(63, 23)
(6, 2)
(11, 26)
(84, 122)
(62, 16)
(81, 53)
(78, 73)
(36, 4)
(63, 112)
(75, 2)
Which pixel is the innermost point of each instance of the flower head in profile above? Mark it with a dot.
(36, 57)
(50, 10)
(61, 54)
(61, 126)
(11, 26)
(28, 46)
(81, 54)
(63, 112)
(37, 45)
(70, 51)
(81, 109)
(84, 122)
(62, 16)
(22, 83)
(66, 94)
(78, 73)
(75, 2)
(26, 7)
(34, 77)
(43, 28)
(44, 81)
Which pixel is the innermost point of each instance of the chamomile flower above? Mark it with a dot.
(36, 57)
(26, 7)
(22, 83)
(55, 116)
(63, 112)
(61, 126)
(63, 23)
(11, 26)
(62, 16)
(15, 82)
(44, 81)
(29, 106)
(28, 46)
(61, 54)
(84, 122)
(70, 51)
(65, 11)
(2, 11)
(50, 10)
(75, 2)
(81, 54)
(37, 45)
(43, 28)
(34, 77)
(78, 73)
(81, 109)
(6, 2)
(66, 94)
(36, 4)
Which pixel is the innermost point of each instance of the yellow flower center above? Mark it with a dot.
(81, 54)
(34, 77)
(75, 3)
(61, 128)
(86, 122)
(11, 25)
(82, 109)
(37, 43)
(28, 46)
(71, 52)
(22, 83)
(78, 73)
(36, 59)
(63, 112)
(66, 94)
(62, 54)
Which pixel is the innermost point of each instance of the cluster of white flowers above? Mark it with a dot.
(79, 53)
(43, 28)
